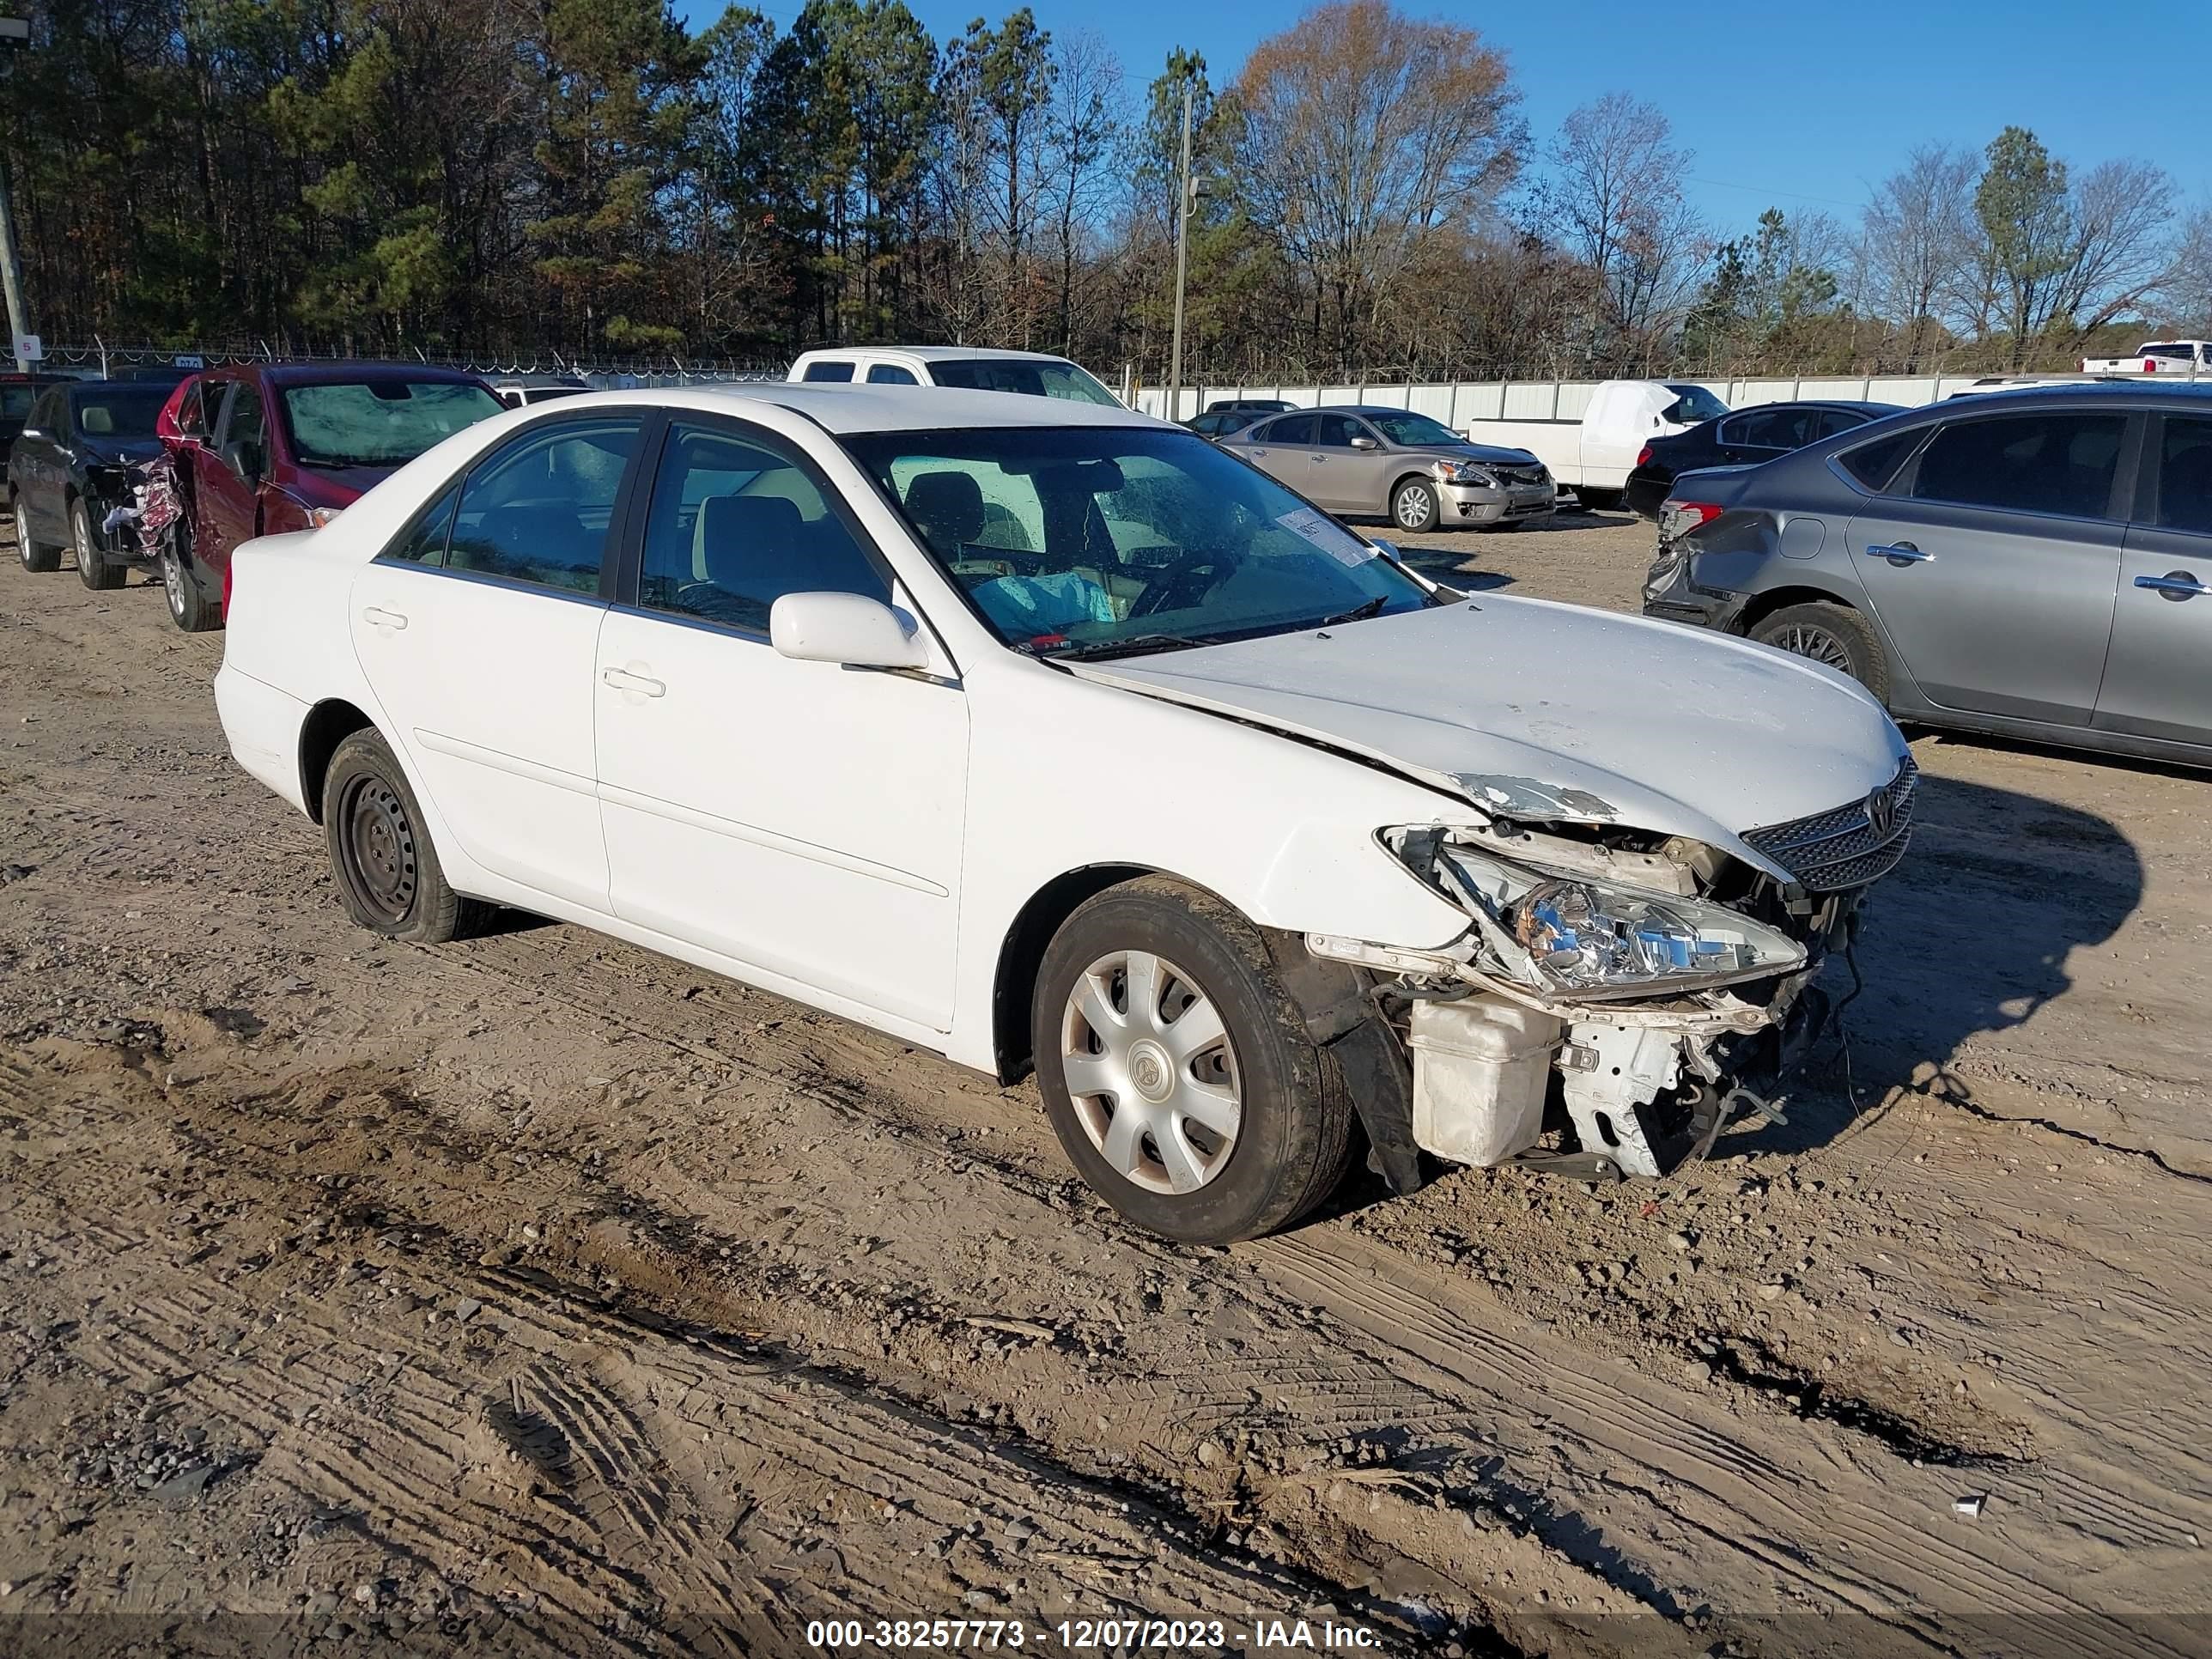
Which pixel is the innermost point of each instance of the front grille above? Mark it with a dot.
(1521, 475)
(1846, 846)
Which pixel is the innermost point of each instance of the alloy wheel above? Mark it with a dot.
(1807, 639)
(173, 584)
(1151, 1071)
(1411, 507)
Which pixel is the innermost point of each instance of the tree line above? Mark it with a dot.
(593, 178)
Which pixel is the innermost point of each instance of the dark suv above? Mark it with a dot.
(2033, 563)
(76, 460)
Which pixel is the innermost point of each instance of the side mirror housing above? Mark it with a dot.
(1362, 441)
(849, 628)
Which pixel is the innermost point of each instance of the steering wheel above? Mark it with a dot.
(1178, 579)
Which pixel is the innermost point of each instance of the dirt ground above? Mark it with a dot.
(535, 1294)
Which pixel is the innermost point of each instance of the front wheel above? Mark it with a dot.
(1413, 506)
(39, 557)
(1832, 634)
(92, 568)
(1177, 1073)
(189, 607)
(387, 871)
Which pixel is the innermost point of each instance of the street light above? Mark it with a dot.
(1183, 261)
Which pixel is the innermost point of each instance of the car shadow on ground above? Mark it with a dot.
(1974, 932)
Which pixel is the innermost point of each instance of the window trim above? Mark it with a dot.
(648, 419)
(2119, 498)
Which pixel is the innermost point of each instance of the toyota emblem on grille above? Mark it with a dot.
(1881, 813)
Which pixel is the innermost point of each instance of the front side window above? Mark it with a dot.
(1297, 429)
(1336, 432)
(2055, 463)
(16, 399)
(891, 374)
(46, 414)
(1144, 540)
(2184, 475)
(381, 423)
(1038, 377)
(246, 423)
(540, 510)
(735, 524)
(830, 371)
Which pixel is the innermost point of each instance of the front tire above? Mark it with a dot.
(1598, 500)
(39, 557)
(92, 568)
(1177, 1071)
(189, 608)
(387, 871)
(1413, 507)
(1832, 634)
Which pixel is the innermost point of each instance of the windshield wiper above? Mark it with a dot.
(1358, 613)
(1135, 644)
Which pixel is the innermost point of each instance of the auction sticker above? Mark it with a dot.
(1332, 538)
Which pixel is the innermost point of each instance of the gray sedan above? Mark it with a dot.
(1390, 463)
(2034, 564)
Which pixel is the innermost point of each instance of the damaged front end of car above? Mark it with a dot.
(1626, 993)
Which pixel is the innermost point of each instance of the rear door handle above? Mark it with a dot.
(2175, 584)
(377, 617)
(1901, 553)
(636, 685)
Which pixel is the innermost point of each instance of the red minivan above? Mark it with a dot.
(263, 448)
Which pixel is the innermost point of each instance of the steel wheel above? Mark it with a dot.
(1151, 1071)
(1811, 640)
(379, 843)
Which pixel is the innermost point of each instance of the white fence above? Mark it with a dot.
(1455, 403)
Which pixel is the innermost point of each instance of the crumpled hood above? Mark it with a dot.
(1538, 710)
(1482, 454)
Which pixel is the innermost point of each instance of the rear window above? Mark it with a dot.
(1045, 378)
(119, 411)
(1875, 464)
(830, 371)
(15, 400)
(1692, 404)
(380, 422)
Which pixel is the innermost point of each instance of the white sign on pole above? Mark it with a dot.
(29, 348)
(16, 29)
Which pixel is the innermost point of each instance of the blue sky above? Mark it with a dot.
(1786, 103)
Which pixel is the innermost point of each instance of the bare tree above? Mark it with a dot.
(1614, 201)
(1915, 244)
(2188, 295)
(1366, 133)
(2120, 254)
(1082, 125)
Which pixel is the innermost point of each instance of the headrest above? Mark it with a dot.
(739, 534)
(96, 421)
(947, 507)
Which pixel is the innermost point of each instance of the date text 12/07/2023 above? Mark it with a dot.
(1191, 1636)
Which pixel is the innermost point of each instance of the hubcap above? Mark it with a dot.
(82, 525)
(173, 584)
(380, 848)
(1807, 640)
(1151, 1071)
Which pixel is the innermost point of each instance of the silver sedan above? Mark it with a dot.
(1361, 460)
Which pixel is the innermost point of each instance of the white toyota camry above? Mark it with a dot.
(1052, 737)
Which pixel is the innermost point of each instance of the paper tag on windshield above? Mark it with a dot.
(1333, 539)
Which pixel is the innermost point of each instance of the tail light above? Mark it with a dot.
(1678, 518)
(2150, 365)
(1643, 456)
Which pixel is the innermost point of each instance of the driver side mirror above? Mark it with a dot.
(848, 628)
(1362, 441)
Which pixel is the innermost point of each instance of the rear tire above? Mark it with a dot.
(92, 569)
(1832, 634)
(1598, 500)
(387, 871)
(39, 557)
(189, 608)
(1275, 1135)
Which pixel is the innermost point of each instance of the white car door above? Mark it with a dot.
(800, 817)
(477, 630)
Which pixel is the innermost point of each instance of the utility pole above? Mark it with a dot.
(14, 33)
(1183, 263)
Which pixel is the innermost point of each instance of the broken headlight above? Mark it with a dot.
(1570, 935)
(1464, 472)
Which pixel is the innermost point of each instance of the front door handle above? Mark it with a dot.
(377, 617)
(1901, 553)
(632, 684)
(2175, 585)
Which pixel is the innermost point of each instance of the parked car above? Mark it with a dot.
(1218, 423)
(2034, 564)
(971, 368)
(1160, 782)
(520, 390)
(72, 464)
(2187, 358)
(263, 449)
(18, 392)
(1592, 453)
(1394, 463)
(1745, 438)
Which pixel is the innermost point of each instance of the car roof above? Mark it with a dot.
(2144, 392)
(842, 407)
(348, 373)
(937, 353)
(529, 382)
(146, 388)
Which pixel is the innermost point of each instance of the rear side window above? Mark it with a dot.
(1297, 429)
(1875, 464)
(891, 374)
(2055, 462)
(830, 371)
(2184, 475)
(540, 510)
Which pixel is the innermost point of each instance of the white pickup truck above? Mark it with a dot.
(2191, 359)
(1595, 452)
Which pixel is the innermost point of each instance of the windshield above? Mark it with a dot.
(1117, 540)
(1692, 404)
(1040, 378)
(1414, 430)
(119, 411)
(380, 422)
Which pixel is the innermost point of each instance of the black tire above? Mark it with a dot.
(1505, 526)
(1598, 500)
(92, 569)
(39, 557)
(1833, 634)
(1293, 1139)
(1413, 507)
(189, 608)
(387, 871)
